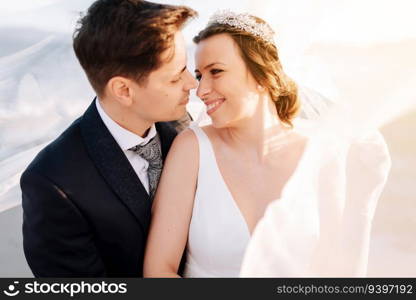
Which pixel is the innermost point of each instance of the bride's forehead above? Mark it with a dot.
(220, 41)
(216, 47)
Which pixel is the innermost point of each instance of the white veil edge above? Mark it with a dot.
(321, 225)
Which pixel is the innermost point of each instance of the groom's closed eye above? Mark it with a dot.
(178, 76)
(176, 80)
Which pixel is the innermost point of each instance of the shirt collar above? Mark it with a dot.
(124, 138)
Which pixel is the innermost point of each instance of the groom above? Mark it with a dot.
(87, 196)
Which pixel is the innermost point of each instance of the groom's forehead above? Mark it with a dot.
(175, 65)
(175, 54)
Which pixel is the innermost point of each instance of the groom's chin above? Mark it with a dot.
(180, 113)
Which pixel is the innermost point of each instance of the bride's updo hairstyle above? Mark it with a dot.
(254, 38)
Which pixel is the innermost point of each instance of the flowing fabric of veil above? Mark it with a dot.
(42, 86)
(321, 224)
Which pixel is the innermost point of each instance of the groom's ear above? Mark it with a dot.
(121, 90)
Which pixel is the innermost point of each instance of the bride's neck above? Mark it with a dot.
(258, 134)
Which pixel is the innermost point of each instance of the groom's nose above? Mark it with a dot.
(192, 83)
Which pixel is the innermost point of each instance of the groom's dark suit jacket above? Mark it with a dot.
(85, 211)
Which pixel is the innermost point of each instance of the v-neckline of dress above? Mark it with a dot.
(225, 186)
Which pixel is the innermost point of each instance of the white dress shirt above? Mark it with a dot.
(126, 140)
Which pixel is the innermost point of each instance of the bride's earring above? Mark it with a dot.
(260, 88)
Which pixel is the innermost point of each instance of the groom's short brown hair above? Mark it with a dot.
(125, 38)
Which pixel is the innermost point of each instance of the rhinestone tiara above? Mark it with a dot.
(243, 21)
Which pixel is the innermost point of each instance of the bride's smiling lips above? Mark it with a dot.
(213, 105)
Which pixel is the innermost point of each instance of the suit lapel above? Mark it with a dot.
(114, 166)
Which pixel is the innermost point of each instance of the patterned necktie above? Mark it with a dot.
(152, 153)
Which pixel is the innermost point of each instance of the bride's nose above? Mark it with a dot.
(204, 88)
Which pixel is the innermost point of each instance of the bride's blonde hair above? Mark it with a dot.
(262, 60)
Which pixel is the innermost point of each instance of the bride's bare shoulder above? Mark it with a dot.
(185, 144)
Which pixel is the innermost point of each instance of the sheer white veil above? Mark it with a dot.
(321, 224)
(42, 87)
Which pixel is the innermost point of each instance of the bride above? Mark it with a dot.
(219, 180)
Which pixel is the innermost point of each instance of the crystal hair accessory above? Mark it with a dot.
(243, 21)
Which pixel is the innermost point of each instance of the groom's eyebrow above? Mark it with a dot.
(210, 65)
(181, 71)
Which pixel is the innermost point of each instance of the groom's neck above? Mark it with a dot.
(126, 118)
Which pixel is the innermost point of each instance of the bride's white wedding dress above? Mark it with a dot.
(218, 232)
